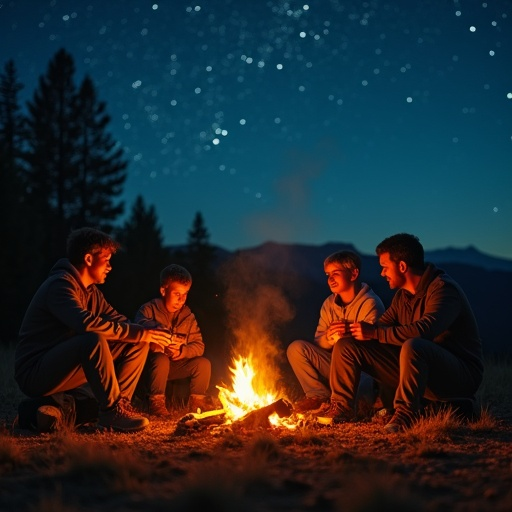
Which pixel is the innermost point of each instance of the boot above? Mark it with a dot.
(157, 406)
(121, 418)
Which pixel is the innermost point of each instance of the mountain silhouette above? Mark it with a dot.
(298, 270)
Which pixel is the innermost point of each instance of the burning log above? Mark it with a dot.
(260, 417)
(194, 421)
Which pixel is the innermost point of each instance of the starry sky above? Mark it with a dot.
(293, 121)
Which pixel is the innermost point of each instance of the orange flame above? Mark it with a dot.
(244, 398)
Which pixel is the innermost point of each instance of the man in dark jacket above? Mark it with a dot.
(71, 336)
(426, 344)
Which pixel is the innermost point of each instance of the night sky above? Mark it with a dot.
(293, 122)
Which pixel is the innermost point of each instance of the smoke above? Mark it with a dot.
(257, 308)
(294, 211)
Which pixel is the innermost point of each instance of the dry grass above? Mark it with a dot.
(439, 464)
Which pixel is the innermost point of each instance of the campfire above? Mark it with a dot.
(250, 402)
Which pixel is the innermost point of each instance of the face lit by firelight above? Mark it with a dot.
(391, 271)
(339, 278)
(175, 295)
(99, 266)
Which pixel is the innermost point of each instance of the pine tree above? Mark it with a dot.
(12, 121)
(135, 277)
(52, 153)
(200, 254)
(18, 225)
(101, 168)
(206, 295)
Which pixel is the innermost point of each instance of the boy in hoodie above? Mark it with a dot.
(426, 344)
(183, 358)
(71, 336)
(350, 301)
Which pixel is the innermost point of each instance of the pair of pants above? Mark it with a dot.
(417, 369)
(111, 368)
(312, 367)
(159, 369)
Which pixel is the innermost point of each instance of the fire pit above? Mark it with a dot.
(242, 406)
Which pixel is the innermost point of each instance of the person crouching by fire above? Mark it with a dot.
(183, 358)
(351, 300)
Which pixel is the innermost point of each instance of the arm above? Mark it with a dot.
(83, 311)
(432, 316)
(192, 344)
(326, 333)
(439, 309)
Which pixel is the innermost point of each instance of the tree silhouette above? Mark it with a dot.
(101, 168)
(59, 170)
(52, 151)
(206, 295)
(19, 228)
(74, 168)
(136, 268)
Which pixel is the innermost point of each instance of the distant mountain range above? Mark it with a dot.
(469, 256)
(298, 271)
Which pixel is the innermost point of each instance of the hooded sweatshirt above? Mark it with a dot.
(183, 323)
(439, 311)
(63, 308)
(365, 307)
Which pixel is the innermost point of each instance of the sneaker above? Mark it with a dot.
(49, 418)
(122, 418)
(310, 404)
(157, 406)
(335, 413)
(401, 420)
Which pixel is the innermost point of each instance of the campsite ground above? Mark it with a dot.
(438, 465)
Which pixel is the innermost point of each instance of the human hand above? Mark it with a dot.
(336, 331)
(362, 331)
(174, 349)
(158, 339)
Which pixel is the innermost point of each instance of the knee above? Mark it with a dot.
(295, 348)
(158, 361)
(344, 347)
(91, 340)
(413, 347)
(203, 365)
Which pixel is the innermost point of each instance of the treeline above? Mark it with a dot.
(61, 170)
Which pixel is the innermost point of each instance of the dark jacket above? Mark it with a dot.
(440, 312)
(62, 308)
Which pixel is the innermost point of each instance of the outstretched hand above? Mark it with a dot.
(159, 338)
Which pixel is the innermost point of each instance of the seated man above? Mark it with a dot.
(350, 301)
(71, 336)
(426, 344)
(183, 358)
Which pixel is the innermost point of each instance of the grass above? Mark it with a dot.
(441, 463)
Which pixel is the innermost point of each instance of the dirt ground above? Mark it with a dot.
(178, 465)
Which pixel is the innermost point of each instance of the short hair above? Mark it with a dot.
(84, 241)
(403, 247)
(175, 274)
(347, 259)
